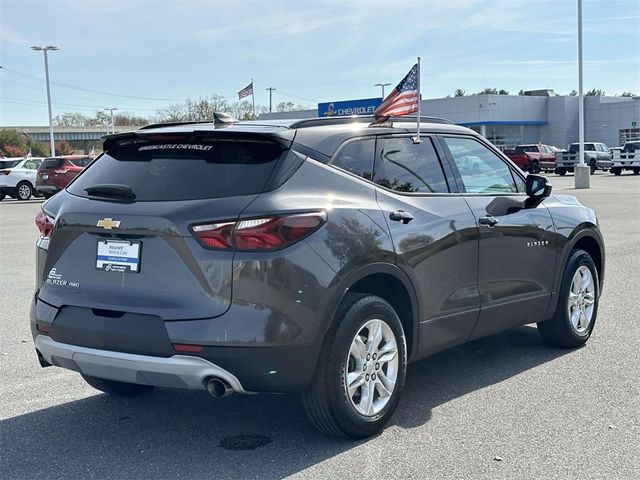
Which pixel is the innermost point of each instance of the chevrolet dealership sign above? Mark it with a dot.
(365, 106)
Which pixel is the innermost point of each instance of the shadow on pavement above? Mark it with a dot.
(12, 201)
(179, 433)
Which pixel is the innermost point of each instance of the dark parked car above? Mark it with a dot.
(55, 173)
(316, 256)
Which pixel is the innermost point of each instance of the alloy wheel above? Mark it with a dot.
(24, 191)
(581, 300)
(371, 370)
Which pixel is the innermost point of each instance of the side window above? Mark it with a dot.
(481, 170)
(357, 158)
(32, 164)
(405, 166)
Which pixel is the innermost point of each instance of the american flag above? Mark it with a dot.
(402, 100)
(246, 91)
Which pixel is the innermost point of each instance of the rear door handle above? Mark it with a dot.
(489, 221)
(401, 216)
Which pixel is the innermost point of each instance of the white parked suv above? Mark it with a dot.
(18, 177)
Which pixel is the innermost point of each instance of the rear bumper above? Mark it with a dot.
(47, 188)
(178, 371)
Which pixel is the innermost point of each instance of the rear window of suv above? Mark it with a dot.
(80, 162)
(9, 163)
(183, 170)
(51, 163)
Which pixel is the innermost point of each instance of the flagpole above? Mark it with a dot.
(253, 100)
(417, 139)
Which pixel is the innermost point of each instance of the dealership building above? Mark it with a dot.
(538, 116)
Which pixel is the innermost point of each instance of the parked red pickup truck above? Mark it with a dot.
(533, 158)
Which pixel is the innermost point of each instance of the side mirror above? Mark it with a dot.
(538, 187)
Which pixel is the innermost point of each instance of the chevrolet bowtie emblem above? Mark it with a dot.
(108, 223)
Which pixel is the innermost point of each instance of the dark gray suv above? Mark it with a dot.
(316, 256)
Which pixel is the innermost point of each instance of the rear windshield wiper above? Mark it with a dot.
(109, 190)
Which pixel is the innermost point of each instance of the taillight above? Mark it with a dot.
(60, 170)
(259, 234)
(215, 235)
(44, 224)
(5, 172)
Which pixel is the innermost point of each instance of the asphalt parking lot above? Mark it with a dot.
(503, 407)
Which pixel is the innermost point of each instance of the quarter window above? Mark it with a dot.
(32, 164)
(357, 157)
(405, 166)
(481, 170)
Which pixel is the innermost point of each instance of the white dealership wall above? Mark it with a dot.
(552, 120)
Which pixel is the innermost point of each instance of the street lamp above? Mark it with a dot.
(113, 125)
(46, 76)
(382, 85)
(581, 175)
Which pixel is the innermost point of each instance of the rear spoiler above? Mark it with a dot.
(283, 138)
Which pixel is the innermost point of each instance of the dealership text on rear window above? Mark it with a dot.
(177, 146)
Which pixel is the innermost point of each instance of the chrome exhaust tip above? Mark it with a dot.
(218, 387)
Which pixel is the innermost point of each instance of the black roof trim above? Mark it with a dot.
(315, 122)
(219, 118)
(170, 124)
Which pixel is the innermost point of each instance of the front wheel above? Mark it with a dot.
(114, 387)
(2, 196)
(361, 370)
(561, 171)
(636, 171)
(24, 191)
(616, 171)
(577, 308)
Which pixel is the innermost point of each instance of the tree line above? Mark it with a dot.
(201, 109)
(595, 92)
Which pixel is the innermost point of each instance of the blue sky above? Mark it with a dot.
(310, 51)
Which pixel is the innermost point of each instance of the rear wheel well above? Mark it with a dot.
(393, 291)
(589, 245)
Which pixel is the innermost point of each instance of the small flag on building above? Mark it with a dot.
(246, 91)
(403, 99)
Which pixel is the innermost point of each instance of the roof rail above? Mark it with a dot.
(169, 124)
(314, 122)
(219, 118)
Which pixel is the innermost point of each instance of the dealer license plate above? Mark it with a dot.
(118, 256)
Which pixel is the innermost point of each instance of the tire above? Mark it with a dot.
(561, 171)
(113, 387)
(24, 190)
(47, 195)
(636, 171)
(592, 167)
(616, 171)
(560, 331)
(328, 403)
(2, 195)
(535, 168)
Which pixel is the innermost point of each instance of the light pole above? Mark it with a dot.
(113, 125)
(271, 90)
(382, 85)
(46, 76)
(582, 172)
